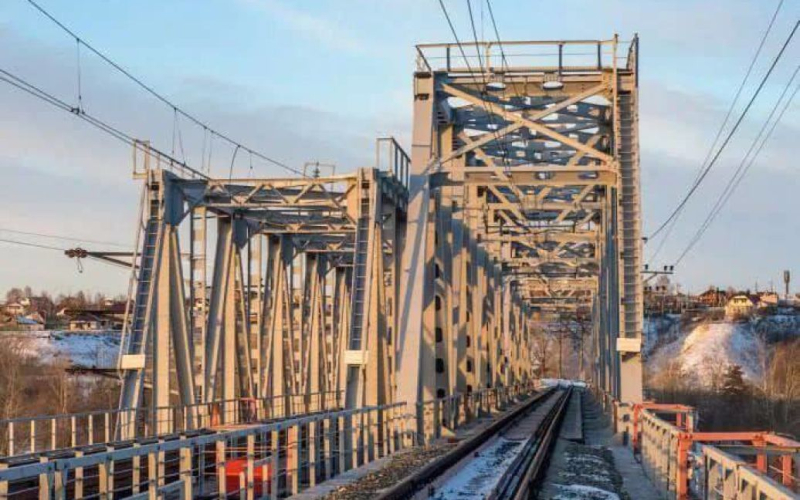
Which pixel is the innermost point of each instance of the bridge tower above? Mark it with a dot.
(524, 209)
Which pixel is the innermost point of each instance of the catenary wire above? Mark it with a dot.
(723, 125)
(747, 161)
(730, 134)
(25, 86)
(160, 96)
(29, 244)
(501, 142)
(61, 237)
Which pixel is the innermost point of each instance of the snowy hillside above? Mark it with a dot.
(660, 330)
(708, 350)
(90, 350)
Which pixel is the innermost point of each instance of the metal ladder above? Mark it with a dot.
(630, 203)
(134, 343)
(360, 267)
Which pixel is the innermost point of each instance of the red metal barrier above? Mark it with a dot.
(680, 419)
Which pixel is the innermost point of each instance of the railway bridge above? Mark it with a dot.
(283, 332)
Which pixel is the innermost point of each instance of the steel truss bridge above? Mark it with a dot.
(283, 330)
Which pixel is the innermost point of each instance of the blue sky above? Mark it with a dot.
(318, 80)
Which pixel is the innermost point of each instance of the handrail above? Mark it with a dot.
(22, 436)
(187, 443)
(666, 450)
(505, 56)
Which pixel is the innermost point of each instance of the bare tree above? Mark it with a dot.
(541, 351)
(14, 295)
(61, 387)
(14, 356)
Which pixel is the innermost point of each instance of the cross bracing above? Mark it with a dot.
(525, 192)
(518, 203)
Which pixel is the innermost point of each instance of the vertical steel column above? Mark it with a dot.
(415, 355)
(198, 299)
(627, 144)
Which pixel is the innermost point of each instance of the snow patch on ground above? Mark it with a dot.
(479, 477)
(581, 492)
(84, 349)
(777, 326)
(659, 330)
(709, 349)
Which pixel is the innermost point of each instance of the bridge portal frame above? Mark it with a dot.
(292, 288)
(524, 204)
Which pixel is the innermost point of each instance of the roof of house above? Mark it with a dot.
(750, 298)
(85, 317)
(22, 320)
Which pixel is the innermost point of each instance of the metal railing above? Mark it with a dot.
(391, 157)
(264, 458)
(682, 463)
(30, 435)
(437, 417)
(559, 56)
(271, 460)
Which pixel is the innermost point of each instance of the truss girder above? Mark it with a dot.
(529, 176)
(275, 320)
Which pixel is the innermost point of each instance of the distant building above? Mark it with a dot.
(89, 322)
(713, 297)
(740, 305)
(37, 317)
(35, 303)
(768, 299)
(93, 318)
(14, 309)
(31, 323)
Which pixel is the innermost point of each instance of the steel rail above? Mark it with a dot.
(518, 480)
(422, 478)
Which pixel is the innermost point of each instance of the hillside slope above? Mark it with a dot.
(78, 349)
(707, 350)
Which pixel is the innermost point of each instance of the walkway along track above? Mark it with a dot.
(514, 448)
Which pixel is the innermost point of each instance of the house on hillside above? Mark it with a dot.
(36, 303)
(93, 318)
(713, 297)
(740, 305)
(14, 309)
(30, 323)
(89, 322)
(768, 299)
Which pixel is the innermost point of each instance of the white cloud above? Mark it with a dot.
(324, 31)
(61, 176)
(682, 125)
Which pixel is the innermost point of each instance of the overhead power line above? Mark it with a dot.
(729, 135)
(25, 86)
(65, 238)
(722, 125)
(29, 244)
(177, 109)
(747, 161)
(484, 70)
(455, 36)
(66, 251)
(506, 66)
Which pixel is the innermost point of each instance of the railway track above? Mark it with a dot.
(501, 462)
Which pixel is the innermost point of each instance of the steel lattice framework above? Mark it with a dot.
(282, 331)
(293, 287)
(423, 280)
(524, 205)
